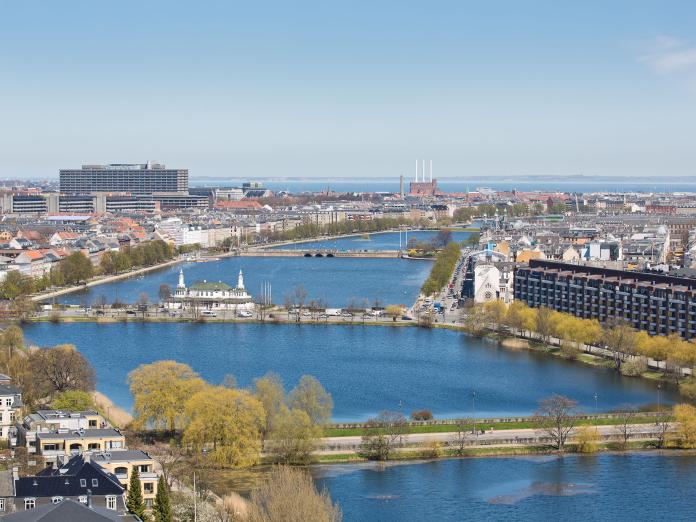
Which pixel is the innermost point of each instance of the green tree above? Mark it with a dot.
(162, 509)
(134, 501)
(76, 268)
(310, 397)
(74, 400)
(293, 437)
(270, 391)
(228, 422)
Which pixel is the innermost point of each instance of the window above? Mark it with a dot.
(12, 416)
(49, 447)
(82, 499)
(29, 503)
(83, 483)
(2, 504)
(56, 500)
(93, 423)
(148, 487)
(8, 401)
(111, 502)
(95, 483)
(144, 468)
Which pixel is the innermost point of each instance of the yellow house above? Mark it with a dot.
(122, 462)
(71, 442)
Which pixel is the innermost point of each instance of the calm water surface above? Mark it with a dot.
(618, 487)
(365, 368)
(380, 241)
(336, 281)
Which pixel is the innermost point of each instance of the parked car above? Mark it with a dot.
(100, 312)
(244, 313)
(208, 313)
(406, 318)
(130, 312)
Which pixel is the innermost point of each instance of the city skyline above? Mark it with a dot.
(318, 91)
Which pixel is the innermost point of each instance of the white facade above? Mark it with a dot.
(211, 296)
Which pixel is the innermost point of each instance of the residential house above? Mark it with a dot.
(122, 463)
(10, 408)
(55, 421)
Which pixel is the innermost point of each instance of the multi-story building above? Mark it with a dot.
(122, 463)
(657, 303)
(143, 178)
(10, 408)
(55, 421)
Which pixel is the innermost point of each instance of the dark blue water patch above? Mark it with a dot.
(336, 281)
(378, 241)
(615, 487)
(365, 368)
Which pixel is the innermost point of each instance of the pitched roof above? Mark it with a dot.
(66, 481)
(67, 510)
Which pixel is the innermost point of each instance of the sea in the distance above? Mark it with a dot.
(365, 368)
(618, 487)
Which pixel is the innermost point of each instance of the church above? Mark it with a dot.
(205, 295)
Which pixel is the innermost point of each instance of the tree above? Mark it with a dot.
(626, 424)
(662, 426)
(494, 313)
(293, 437)
(16, 284)
(382, 433)
(61, 368)
(162, 509)
(620, 339)
(270, 391)
(555, 417)
(76, 268)
(587, 439)
(309, 396)
(393, 311)
(463, 432)
(520, 317)
(165, 292)
(73, 400)
(289, 495)
(160, 391)
(134, 500)
(685, 417)
(11, 341)
(543, 323)
(228, 421)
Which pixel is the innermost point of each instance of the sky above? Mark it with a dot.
(350, 89)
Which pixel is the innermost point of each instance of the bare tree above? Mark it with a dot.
(463, 434)
(620, 339)
(165, 292)
(662, 425)
(556, 418)
(382, 434)
(626, 425)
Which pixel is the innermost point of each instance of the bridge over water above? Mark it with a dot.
(320, 253)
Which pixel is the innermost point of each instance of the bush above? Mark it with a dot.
(422, 415)
(634, 367)
(688, 388)
(587, 440)
(570, 351)
(433, 451)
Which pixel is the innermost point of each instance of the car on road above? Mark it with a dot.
(306, 314)
(406, 318)
(130, 312)
(245, 313)
(208, 313)
(101, 312)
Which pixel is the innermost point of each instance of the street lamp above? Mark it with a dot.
(595, 403)
(473, 407)
(659, 386)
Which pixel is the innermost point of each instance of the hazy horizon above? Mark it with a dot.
(322, 90)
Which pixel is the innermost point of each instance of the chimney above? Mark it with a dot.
(89, 498)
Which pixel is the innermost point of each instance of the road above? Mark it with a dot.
(489, 438)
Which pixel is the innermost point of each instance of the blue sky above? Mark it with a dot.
(337, 89)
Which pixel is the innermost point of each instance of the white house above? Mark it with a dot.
(206, 295)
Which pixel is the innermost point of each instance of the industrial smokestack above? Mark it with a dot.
(416, 171)
(431, 170)
(423, 171)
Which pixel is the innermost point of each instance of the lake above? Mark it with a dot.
(617, 487)
(377, 241)
(365, 368)
(337, 281)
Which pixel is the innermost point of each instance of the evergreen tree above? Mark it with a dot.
(134, 501)
(162, 509)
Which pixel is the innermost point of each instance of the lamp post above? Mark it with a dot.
(659, 386)
(473, 407)
(595, 403)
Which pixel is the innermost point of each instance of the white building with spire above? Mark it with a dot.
(205, 295)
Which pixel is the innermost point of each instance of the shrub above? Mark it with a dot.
(570, 351)
(422, 415)
(587, 440)
(688, 388)
(433, 450)
(634, 367)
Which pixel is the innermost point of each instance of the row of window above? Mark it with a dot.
(30, 503)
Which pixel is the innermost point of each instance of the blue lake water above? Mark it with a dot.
(380, 241)
(617, 487)
(337, 281)
(365, 368)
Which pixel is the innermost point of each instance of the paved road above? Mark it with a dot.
(338, 444)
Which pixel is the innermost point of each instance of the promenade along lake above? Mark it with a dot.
(365, 368)
(617, 487)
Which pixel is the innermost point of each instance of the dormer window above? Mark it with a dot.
(95, 483)
(83, 483)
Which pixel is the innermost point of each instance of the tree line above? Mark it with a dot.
(77, 268)
(628, 348)
(440, 274)
(224, 425)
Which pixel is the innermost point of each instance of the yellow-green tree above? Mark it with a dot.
(270, 391)
(495, 312)
(309, 396)
(228, 422)
(520, 317)
(293, 437)
(685, 417)
(393, 311)
(160, 391)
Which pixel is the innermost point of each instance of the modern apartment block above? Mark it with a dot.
(139, 178)
(659, 304)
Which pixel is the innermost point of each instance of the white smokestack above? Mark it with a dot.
(416, 171)
(431, 170)
(423, 171)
